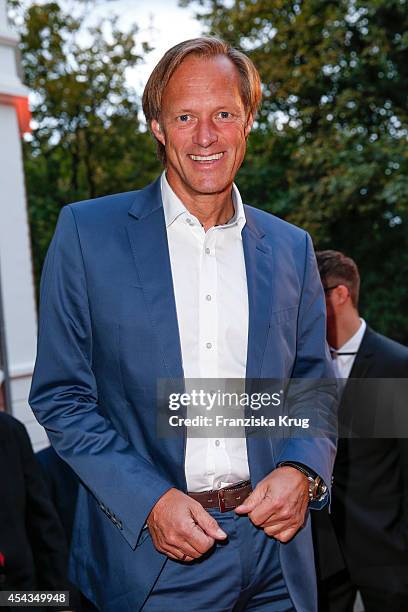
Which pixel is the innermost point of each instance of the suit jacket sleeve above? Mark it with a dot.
(64, 394)
(314, 391)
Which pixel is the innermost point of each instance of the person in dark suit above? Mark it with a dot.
(182, 281)
(363, 543)
(34, 553)
(63, 487)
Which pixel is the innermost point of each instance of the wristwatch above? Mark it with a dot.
(317, 487)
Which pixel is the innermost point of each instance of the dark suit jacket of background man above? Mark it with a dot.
(31, 536)
(62, 485)
(370, 490)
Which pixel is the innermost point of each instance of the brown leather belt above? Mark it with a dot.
(224, 499)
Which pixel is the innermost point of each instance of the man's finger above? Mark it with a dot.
(285, 535)
(187, 548)
(265, 509)
(178, 557)
(264, 512)
(251, 502)
(183, 541)
(188, 556)
(273, 529)
(265, 516)
(200, 540)
(173, 552)
(207, 523)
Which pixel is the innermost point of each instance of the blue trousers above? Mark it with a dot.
(242, 573)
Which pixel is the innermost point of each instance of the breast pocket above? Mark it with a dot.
(280, 351)
(284, 315)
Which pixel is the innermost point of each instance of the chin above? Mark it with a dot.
(210, 186)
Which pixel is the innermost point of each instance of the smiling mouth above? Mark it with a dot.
(206, 158)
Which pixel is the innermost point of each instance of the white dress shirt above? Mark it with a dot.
(343, 363)
(210, 287)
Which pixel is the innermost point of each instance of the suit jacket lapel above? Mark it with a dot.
(347, 408)
(259, 271)
(364, 354)
(148, 239)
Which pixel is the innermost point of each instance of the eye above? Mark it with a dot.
(183, 118)
(225, 115)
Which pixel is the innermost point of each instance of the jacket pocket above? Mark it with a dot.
(284, 314)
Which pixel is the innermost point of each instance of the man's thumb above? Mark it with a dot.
(249, 504)
(209, 525)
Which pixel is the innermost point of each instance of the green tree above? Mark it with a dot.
(87, 140)
(330, 149)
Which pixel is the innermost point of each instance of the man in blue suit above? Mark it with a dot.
(182, 281)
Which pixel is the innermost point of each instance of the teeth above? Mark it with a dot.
(207, 157)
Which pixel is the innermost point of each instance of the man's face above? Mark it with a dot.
(203, 125)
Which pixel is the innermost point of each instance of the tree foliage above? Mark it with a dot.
(330, 149)
(87, 140)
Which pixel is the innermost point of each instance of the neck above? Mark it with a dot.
(345, 328)
(210, 209)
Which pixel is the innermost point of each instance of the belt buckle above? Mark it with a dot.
(221, 501)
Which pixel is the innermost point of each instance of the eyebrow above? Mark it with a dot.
(223, 107)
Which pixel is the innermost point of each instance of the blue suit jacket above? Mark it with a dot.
(108, 330)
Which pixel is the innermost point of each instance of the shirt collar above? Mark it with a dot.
(353, 344)
(174, 207)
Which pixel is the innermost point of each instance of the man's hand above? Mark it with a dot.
(278, 503)
(181, 528)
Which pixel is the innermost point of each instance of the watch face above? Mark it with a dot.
(317, 488)
(321, 490)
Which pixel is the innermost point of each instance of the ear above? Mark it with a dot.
(342, 294)
(157, 131)
(248, 125)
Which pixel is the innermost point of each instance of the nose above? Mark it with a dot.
(205, 134)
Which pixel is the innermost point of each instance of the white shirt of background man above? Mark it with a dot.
(344, 363)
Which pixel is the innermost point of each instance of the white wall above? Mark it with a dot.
(16, 273)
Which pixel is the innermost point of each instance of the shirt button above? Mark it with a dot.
(208, 298)
(207, 251)
(208, 345)
(217, 443)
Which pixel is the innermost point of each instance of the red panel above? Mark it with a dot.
(20, 103)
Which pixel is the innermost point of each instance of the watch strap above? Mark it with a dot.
(317, 488)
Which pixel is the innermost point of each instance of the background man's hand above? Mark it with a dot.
(180, 526)
(278, 503)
